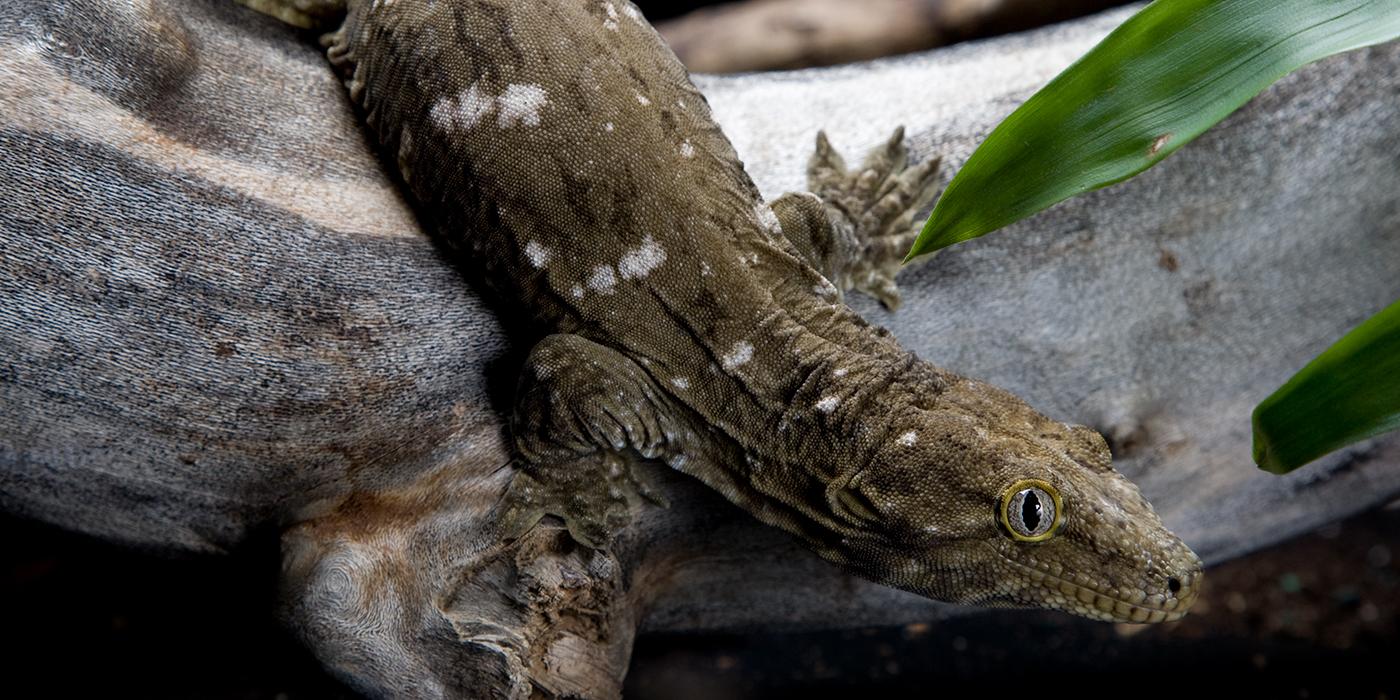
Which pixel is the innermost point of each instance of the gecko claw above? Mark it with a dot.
(876, 204)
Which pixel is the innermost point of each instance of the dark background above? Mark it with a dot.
(1314, 617)
(657, 10)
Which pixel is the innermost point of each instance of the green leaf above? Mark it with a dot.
(1158, 81)
(1348, 393)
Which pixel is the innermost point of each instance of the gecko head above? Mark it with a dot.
(981, 500)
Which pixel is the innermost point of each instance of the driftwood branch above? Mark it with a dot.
(784, 34)
(217, 315)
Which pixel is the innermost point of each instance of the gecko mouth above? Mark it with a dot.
(1088, 602)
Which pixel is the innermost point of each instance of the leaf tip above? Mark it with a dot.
(1265, 458)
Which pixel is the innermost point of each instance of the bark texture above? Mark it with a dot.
(217, 315)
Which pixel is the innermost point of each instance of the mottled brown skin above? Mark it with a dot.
(562, 148)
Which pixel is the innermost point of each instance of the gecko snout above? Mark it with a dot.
(1182, 589)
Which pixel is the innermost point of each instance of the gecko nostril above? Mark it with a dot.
(1173, 584)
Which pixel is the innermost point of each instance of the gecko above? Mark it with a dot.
(561, 149)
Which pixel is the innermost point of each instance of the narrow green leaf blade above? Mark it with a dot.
(1348, 393)
(1158, 81)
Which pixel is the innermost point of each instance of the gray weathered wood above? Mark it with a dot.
(758, 35)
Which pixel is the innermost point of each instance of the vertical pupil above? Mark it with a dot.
(1030, 511)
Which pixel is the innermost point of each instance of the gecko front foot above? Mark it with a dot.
(874, 206)
(594, 496)
(583, 414)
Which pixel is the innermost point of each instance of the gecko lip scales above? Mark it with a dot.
(1086, 601)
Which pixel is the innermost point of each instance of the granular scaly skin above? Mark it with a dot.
(561, 147)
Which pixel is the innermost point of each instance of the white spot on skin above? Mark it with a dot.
(602, 279)
(681, 383)
(680, 103)
(741, 352)
(827, 404)
(611, 22)
(462, 111)
(538, 254)
(768, 220)
(640, 262)
(520, 104)
(608, 127)
(908, 438)
(687, 150)
(633, 13)
(705, 269)
(642, 100)
(577, 291)
(839, 372)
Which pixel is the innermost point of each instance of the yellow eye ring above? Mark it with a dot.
(1023, 510)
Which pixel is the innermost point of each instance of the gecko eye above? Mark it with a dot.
(1031, 510)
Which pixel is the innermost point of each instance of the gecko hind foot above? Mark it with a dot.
(876, 202)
